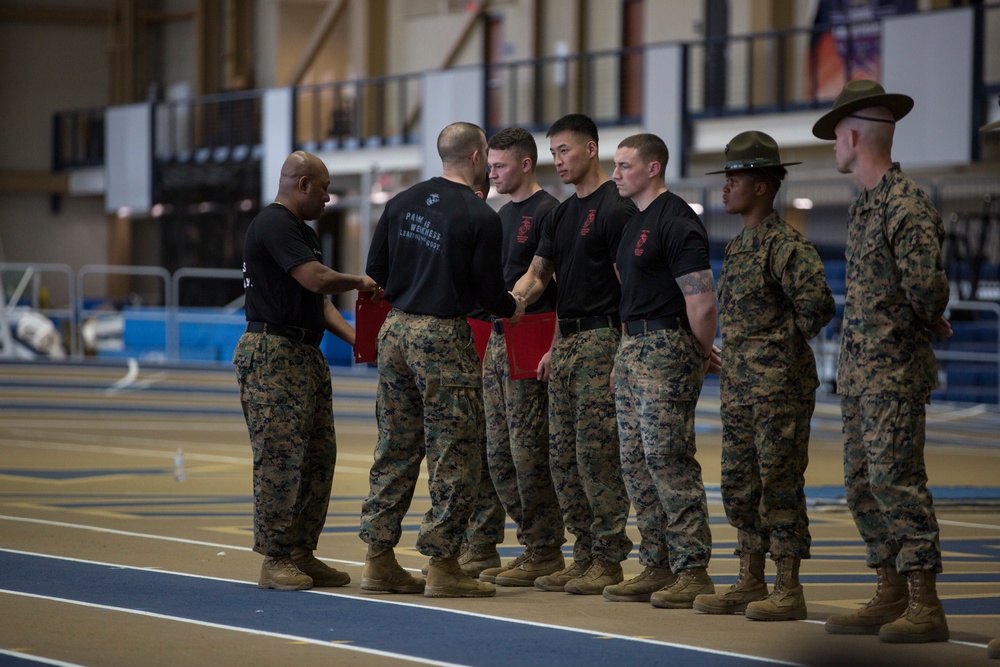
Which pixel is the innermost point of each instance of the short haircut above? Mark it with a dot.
(518, 140)
(460, 140)
(650, 148)
(575, 122)
(774, 175)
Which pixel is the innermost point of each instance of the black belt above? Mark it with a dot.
(636, 327)
(567, 327)
(307, 336)
(498, 326)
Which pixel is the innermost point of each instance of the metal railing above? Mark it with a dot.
(376, 111)
(763, 72)
(33, 275)
(826, 347)
(162, 339)
(216, 127)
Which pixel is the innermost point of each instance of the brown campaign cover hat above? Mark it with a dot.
(752, 150)
(857, 95)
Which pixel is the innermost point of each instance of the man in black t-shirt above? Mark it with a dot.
(669, 318)
(517, 428)
(436, 251)
(285, 379)
(578, 243)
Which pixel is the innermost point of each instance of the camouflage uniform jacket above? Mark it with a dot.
(773, 298)
(896, 286)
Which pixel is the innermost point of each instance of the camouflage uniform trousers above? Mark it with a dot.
(583, 445)
(517, 437)
(765, 451)
(288, 404)
(886, 481)
(658, 378)
(428, 401)
(486, 523)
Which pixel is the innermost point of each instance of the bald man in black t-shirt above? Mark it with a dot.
(436, 251)
(285, 379)
(579, 242)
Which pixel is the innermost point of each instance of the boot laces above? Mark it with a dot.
(286, 566)
(879, 589)
(914, 601)
(526, 557)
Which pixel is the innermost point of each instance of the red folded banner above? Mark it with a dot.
(368, 319)
(527, 342)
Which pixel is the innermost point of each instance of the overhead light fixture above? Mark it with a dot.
(802, 203)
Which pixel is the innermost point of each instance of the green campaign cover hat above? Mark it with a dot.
(857, 95)
(752, 150)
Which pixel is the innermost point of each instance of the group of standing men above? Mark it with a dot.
(609, 420)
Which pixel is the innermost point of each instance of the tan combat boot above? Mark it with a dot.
(924, 620)
(489, 575)
(787, 601)
(382, 574)
(749, 588)
(542, 562)
(446, 579)
(681, 594)
(473, 560)
(323, 575)
(641, 587)
(557, 580)
(281, 574)
(600, 574)
(888, 604)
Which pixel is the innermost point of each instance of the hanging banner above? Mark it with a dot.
(846, 43)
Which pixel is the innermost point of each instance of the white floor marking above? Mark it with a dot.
(374, 600)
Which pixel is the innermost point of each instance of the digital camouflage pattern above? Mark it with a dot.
(517, 436)
(895, 286)
(583, 445)
(429, 399)
(486, 523)
(773, 298)
(288, 404)
(765, 451)
(886, 482)
(658, 378)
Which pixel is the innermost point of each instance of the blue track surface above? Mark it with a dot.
(376, 625)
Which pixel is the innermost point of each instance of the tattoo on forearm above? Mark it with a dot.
(698, 282)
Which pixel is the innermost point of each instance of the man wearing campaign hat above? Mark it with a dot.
(773, 298)
(897, 292)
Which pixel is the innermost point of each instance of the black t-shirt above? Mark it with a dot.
(275, 243)
(581, 238)
(522, 223)
(436, 251)
(659, 245)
